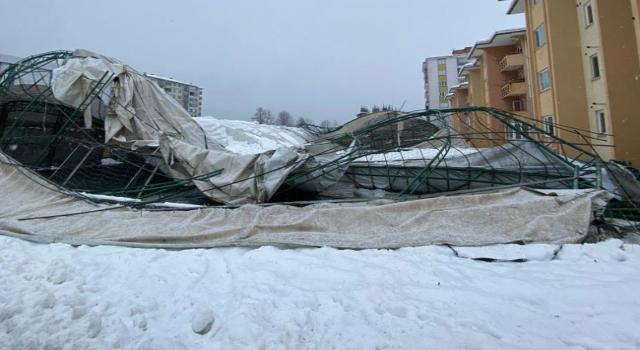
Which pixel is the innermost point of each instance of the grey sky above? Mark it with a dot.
(319, 59)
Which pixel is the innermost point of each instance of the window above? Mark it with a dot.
(167, 89)
(541, 35)
(545, 82)
(443, 94)
(462, 61)
(601, 121)
(444, 104)
(515, 131)
(548, 125)
(519, 105)
(443, 83)
(442, 72)
(595, 67)
(588, 14)
(442, 61)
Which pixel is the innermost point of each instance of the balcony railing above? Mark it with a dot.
(514, 89)
(512, 62)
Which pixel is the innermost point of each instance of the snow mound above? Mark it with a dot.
(270, 298)
(251, 138)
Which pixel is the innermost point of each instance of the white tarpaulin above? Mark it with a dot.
(142, 115)
(500, 217)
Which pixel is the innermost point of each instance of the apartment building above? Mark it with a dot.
(584, 61)
(496, 76)
(186, 94)
(440, 73)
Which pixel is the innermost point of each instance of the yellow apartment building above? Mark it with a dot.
(584, 62)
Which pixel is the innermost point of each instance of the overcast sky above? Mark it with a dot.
(321, 59)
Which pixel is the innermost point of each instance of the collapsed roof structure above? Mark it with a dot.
(92, 127)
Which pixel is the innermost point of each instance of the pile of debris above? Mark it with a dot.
(94, 128)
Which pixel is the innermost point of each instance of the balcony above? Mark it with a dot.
(514, 89)
(512, 62)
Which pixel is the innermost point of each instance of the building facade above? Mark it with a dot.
(496, 76)
(440, 73)
(186, 94)
(584, 64)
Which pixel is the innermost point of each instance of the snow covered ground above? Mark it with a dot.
(61, 297)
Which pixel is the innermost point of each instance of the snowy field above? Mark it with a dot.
(61, 297)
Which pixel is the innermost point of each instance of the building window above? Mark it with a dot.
(443, 83)
(519, 105)
(444, 104)
(167, 89)
(588, 14)
(515, 131)
(442, 72)
(541, 35)
(548, 125)
(442, 61)
(595, 67)
(601, 121)
(545, 82)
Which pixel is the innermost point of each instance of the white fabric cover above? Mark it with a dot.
(143, 115)
(500, 217)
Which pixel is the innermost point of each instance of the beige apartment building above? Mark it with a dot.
(584, 63)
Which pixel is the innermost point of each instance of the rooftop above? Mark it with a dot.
(167, 79)
(516, 7)
(500, 38)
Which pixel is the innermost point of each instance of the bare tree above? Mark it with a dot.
(263, 116)
(302, 121)
(375, 109)
(363, 111)
(325, 124)
(284, 118)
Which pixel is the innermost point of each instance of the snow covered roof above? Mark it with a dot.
(465, 69)
(516, 7)
(461, 86)
(500, 38)
(167, 79)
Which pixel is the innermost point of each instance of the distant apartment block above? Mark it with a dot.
(440, 73)
(186, 94)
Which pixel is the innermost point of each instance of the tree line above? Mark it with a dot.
(284, 118)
